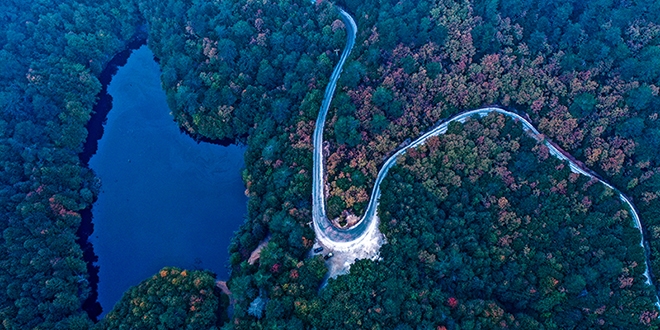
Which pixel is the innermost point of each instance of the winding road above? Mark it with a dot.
(363, 240)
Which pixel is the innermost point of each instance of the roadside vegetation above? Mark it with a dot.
(583, 73)
(486, 230)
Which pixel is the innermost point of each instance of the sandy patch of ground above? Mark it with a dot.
(367, 247)
(256, 254)
(223, 287)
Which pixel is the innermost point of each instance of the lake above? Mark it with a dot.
(165, 200)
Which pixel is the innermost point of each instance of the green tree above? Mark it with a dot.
(171, 299)
(347, 131)
(583, 105)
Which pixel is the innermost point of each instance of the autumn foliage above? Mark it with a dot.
(484, 231)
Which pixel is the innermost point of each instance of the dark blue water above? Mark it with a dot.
(165, 199)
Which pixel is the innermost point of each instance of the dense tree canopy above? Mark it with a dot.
(485, 230)
(471, 218)
(172, 299)
(52, 53)
(512, 53)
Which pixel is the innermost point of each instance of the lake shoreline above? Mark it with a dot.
(95, 131)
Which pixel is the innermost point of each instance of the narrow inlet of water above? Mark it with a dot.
(165, 200)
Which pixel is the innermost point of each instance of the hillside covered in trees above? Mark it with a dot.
(583, 73)
(472, 240)
(51, 55)
(495, 233)
(171, 299)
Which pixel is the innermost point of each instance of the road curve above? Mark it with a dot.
(366, 231)
(326, 233)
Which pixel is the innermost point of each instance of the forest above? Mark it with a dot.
(172, 299)
(497, 234)
(460, 254)
(52, 53)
